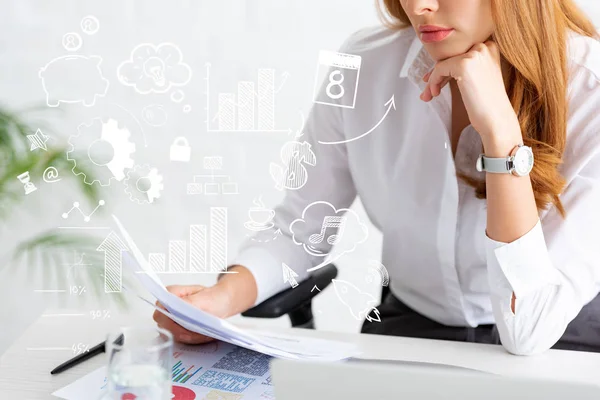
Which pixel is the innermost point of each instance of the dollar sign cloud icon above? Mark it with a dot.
(293, 175)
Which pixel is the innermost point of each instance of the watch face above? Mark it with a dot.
(523, 161)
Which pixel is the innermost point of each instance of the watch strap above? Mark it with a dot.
(497, 165)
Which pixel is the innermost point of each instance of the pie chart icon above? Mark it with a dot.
(179, 393)
(182, 393)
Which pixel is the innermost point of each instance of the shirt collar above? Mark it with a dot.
(417, 61)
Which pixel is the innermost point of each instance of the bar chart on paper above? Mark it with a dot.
(204, 252)
(250, 109)
(181, 372)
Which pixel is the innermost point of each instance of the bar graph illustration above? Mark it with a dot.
(177, 255)
(204, 252)
(250, 109)
(213, 184)
(181, 372)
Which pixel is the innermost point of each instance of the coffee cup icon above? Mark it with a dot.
(260, 219)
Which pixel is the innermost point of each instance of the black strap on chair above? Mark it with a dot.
(296, 302)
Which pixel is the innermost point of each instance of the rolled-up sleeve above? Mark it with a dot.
(329, 180)
(553, 270)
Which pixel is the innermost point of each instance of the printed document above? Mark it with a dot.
(212, 371)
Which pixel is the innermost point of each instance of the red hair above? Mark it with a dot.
(538, 80)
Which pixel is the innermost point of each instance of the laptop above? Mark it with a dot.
(365, 379)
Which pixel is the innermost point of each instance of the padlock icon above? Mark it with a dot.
(180, 150)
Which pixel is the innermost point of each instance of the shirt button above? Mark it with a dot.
(445, 145)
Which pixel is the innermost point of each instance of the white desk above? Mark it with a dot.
(25, 374)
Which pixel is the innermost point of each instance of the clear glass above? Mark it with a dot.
(139, 364)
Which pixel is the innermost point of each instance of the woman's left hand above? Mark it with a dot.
(478, 74)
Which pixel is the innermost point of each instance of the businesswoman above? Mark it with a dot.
(499, 248)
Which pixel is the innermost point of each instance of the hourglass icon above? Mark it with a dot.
(27, 185)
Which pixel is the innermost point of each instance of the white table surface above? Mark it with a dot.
(25, 374)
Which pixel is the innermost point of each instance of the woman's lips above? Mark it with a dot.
(435, 36)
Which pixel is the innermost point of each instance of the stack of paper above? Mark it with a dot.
(214, 370)
(204, 323)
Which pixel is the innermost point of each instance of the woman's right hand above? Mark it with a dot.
(232, 294)
(212, 299)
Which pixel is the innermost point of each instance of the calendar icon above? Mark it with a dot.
(339, 74)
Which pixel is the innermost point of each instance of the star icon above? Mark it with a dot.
(38, 140)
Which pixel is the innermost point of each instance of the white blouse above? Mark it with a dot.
(440, 261)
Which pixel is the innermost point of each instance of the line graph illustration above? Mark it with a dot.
(78, 261)
(251, 109)
(77, 206)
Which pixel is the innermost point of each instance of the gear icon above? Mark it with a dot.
(143, 184)
(108, 151)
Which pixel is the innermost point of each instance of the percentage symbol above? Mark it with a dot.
(77, 290)
(100, 314)
(80, 348)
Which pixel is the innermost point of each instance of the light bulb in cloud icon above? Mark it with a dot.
(154, 68)
(261, 217)
(322, 226)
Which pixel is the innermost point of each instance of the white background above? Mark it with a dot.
(237, 37)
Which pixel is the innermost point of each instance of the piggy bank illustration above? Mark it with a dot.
(73, 79)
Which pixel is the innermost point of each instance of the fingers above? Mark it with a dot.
(440, 74)
(437, 89)
(180, 334)
(433, 90)
(184, 290)
(436, 79)
(454, 68)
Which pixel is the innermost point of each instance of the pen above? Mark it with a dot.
(78, 359)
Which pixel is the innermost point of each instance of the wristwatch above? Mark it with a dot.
(519, 162)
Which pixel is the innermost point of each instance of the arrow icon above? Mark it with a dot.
(289, 275)
(391, 103)
(112, 247)
(285, 75)
(315, 287)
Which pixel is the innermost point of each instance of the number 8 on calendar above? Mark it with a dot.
(336, 82)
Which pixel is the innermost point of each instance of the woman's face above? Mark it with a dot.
(470, 21)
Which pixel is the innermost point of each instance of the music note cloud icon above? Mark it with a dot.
(310, 231)
(334, 222)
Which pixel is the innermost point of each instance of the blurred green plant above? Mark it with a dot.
(44, 253)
